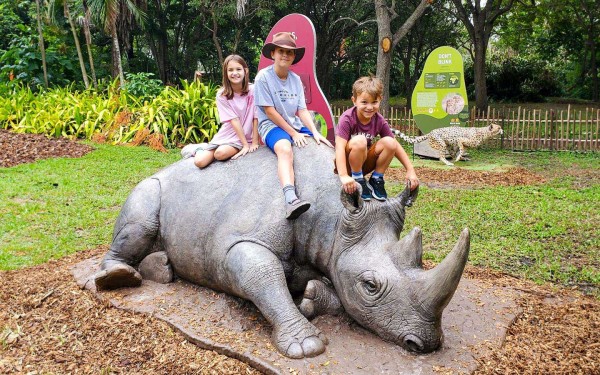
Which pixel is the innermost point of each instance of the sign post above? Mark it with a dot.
(440, 96)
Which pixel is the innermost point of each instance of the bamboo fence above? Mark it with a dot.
(525, 129)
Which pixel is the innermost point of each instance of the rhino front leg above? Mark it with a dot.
(256, 274)
(319, 299)
(133, 238)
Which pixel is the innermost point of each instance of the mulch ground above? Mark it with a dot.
(49, 325)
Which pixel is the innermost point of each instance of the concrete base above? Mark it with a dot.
(475, 321)
(423, 149)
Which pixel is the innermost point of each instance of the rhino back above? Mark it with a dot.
(204, 212)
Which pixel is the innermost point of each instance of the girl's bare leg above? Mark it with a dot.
(203, 158)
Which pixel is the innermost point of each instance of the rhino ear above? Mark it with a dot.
(352, 202)
(407, 197)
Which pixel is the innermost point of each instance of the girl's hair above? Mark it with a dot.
(227, 89)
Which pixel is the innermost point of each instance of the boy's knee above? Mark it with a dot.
(358, 142)
(388, 143)
(283, 148)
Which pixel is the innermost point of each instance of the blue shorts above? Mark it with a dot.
(277, 134)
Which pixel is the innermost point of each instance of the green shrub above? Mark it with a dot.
(142, 86)
(175, 115)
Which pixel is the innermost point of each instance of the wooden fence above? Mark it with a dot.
(524, 129)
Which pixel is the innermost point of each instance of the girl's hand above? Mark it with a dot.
(254, 147)
(300, 139)
(348, 184)
(241, 153)
(319, 138)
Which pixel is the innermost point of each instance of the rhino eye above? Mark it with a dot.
(370, 287)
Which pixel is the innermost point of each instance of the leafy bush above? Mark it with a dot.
(174, 116)
(521, 79)
(143, 86)
(22, 64)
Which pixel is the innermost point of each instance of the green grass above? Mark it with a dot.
(544, 232)
(55, 207)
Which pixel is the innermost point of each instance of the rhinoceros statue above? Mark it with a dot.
(224, 227)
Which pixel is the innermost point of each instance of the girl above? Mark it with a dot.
(235, 103)
(282, 114)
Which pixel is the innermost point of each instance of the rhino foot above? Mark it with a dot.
(319, 299)
(299, 340)
(117, 276)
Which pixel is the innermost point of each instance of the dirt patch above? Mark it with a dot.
(26, 148)
(49, 325)
(465, 178)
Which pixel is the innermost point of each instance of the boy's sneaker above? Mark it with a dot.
(366, 192)
(376, 185)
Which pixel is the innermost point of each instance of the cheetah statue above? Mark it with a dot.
(454, 139)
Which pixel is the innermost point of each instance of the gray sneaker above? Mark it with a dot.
(190, 150)
(295, 209)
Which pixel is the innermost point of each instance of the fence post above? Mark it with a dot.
(552, 130)
(502, 135)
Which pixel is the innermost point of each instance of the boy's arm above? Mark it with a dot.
(341, 163)
(306, 119)
(274, 116)
(411, 175)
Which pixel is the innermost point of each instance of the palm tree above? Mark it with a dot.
(85, 21)
(107, 13)
(41, 42)
(67, 13)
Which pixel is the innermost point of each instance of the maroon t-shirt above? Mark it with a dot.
(349, 126)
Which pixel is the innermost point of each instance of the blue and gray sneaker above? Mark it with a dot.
(366, 192)
(376, 185)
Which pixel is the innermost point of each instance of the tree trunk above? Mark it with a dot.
(215, 38)
(594, 68)
(41, 42)
(481, 99)
(88, 42)
(117, 56)
(384, 59)
(77, 45)
(385, 16)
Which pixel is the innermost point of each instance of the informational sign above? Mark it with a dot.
(440, 96)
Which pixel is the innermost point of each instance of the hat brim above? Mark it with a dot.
(270, 47)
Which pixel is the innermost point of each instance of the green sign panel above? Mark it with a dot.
(440, 96)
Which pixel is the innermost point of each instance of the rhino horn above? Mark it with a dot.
(408, 252)
(442, 281)
(407, 197)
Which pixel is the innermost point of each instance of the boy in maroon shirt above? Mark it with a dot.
(355, 152)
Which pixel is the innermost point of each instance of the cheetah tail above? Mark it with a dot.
(411, 140)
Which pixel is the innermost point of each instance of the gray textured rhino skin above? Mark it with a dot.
(224, 227)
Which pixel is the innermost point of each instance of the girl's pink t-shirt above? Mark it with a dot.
(241, 107)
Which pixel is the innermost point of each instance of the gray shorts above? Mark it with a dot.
(212, 146)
